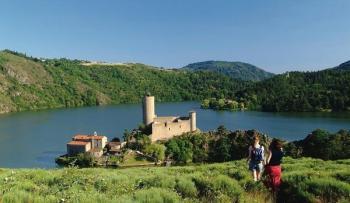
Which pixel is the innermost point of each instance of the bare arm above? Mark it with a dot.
(269, 156)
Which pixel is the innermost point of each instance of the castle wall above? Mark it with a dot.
(167, 130)
(148, 110)
(193, 121)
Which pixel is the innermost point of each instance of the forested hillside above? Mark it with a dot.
(327, 90)
(28, 83)
(236, 70)
(344, 66)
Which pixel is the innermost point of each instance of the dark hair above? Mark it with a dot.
(276, 144)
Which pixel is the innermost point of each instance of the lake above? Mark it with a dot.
(34, 139)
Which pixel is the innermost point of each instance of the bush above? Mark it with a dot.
(308, 189)
(322, 144)
(204, 187)
(180, 149)
(328, 190)
(186, 187)
(162, 181)
(303, 180)
(228, 186)
(156, 195)
(156, 150)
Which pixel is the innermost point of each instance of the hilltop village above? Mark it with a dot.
(104, 152)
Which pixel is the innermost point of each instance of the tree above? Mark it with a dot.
(314, 142)
(156, 150)
(221, 150)
(180, 150)
(205, 103)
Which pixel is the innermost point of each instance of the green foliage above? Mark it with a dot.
(137, 140)
(237, 70)
(313, 189)
(156, 150)
(322, 144)
(214, 146)
(227, 186)
(156, 195)
(81, 160)
(222, 104)
(179, 149)
(161, 181)
(186, 187)
(327, 90)
(304, 180)
(220, 149)
(34, 84)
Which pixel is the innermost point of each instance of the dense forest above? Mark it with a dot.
(28, 83)
(327, 90)
(236, 70)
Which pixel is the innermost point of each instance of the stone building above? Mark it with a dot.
(77, 147)
(96, 140)
(93, 144)
(166, 127)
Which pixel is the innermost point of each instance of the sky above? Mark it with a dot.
(276, 35)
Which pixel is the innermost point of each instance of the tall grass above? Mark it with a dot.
(304, 180)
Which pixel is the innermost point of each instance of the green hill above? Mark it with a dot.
(344, 66)
(236, 70)
(28, 83)
(304, 180)
(300, 91)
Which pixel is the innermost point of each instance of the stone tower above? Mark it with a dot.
(148, 109)
(193, 124)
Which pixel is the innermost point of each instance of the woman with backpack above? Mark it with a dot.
(256, 158)
(273, 167)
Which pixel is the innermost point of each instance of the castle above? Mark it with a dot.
(166, 127)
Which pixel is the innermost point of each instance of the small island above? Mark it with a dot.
(223, 104)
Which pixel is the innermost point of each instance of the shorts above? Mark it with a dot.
(256, 166)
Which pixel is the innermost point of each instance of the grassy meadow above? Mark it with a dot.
(304, 180)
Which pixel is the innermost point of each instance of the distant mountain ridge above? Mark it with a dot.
(236, 70)
(344, 66)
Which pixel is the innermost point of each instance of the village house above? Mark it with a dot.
(92, 144)
(115, 147)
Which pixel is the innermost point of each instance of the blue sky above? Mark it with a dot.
(275, 35)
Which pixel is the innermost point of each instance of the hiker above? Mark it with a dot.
(273, 167)
(256, 158)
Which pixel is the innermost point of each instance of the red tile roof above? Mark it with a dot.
(78, 143)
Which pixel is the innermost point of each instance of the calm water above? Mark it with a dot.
(34, 139)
